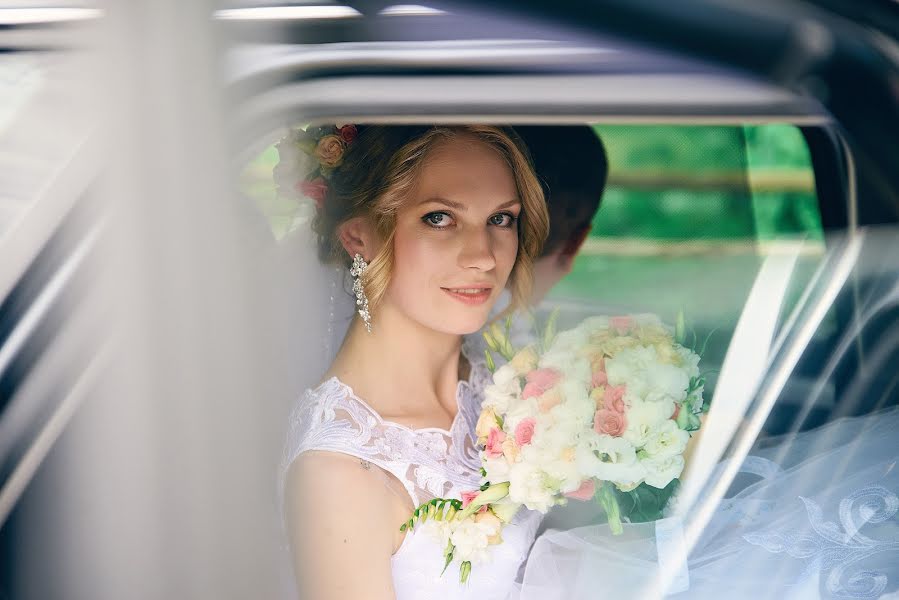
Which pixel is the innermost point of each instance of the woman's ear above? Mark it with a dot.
(357, 237)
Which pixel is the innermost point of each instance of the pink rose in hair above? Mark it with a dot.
(539, 381)
(348, 133)
(609, 422)
(329, 150)
(585, 492)
(524, 431)
(622, 324)
(614, 398)
(316, 189)
(495, 439)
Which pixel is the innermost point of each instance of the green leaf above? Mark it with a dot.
(491, 341)
(464, 571)
(449, 559)
(680, 328)
(705, 342)
(549, 331)
(491, 366)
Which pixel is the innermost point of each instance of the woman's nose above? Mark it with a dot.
(477, 250)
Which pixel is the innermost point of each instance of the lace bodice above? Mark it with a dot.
(429, 462)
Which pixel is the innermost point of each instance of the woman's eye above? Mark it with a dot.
(502, 220)
(438, 220)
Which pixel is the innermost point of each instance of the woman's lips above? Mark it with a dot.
(472, 296)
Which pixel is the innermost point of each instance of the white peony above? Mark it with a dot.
(645, 376)
(644, 417)
(665, 382)
(518, 411)
(471, 540)
(528, 486)
(660, 472)
(617, 461)
(497, 469)
(576, 401)
(505, 376)
(666, 440)
(593, 324)
(504, 390)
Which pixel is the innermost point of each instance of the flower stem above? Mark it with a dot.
(608, 501)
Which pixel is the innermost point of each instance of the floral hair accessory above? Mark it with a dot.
(307, 158)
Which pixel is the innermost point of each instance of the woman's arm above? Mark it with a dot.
(340, 527)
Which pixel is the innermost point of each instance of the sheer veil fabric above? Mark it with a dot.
(815, 516)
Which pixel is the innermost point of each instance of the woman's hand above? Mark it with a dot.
(340, 525)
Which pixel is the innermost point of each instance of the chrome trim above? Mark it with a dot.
(287, 13)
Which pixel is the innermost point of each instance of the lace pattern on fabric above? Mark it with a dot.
(430, 462)
(834, 550)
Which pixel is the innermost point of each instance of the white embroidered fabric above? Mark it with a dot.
(429, 462)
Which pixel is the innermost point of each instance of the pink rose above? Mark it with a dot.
(549, 400)
(468, 497)
(585, 492)
(524, 432)
(316, 189)
(622, 324)
(495, 439)
(614, 398)
(539, 381)
(599, 378)
(531, 390)
(348, 133)
(609, 422)
(329, 150)
(676, 412)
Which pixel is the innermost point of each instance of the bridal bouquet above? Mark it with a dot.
(603, 410)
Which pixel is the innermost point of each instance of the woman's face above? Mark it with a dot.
(456, 238)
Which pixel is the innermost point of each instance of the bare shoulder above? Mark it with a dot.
(341, 538)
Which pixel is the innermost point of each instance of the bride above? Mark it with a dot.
(433, 224)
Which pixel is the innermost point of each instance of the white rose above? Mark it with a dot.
(666, 440)
(660, 472)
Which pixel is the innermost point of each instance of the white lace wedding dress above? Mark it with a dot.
(429, 462)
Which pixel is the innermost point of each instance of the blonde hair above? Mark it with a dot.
(378, 174)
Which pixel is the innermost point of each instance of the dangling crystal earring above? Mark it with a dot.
(357, 270)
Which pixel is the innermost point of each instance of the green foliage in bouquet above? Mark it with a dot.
(645, 503)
